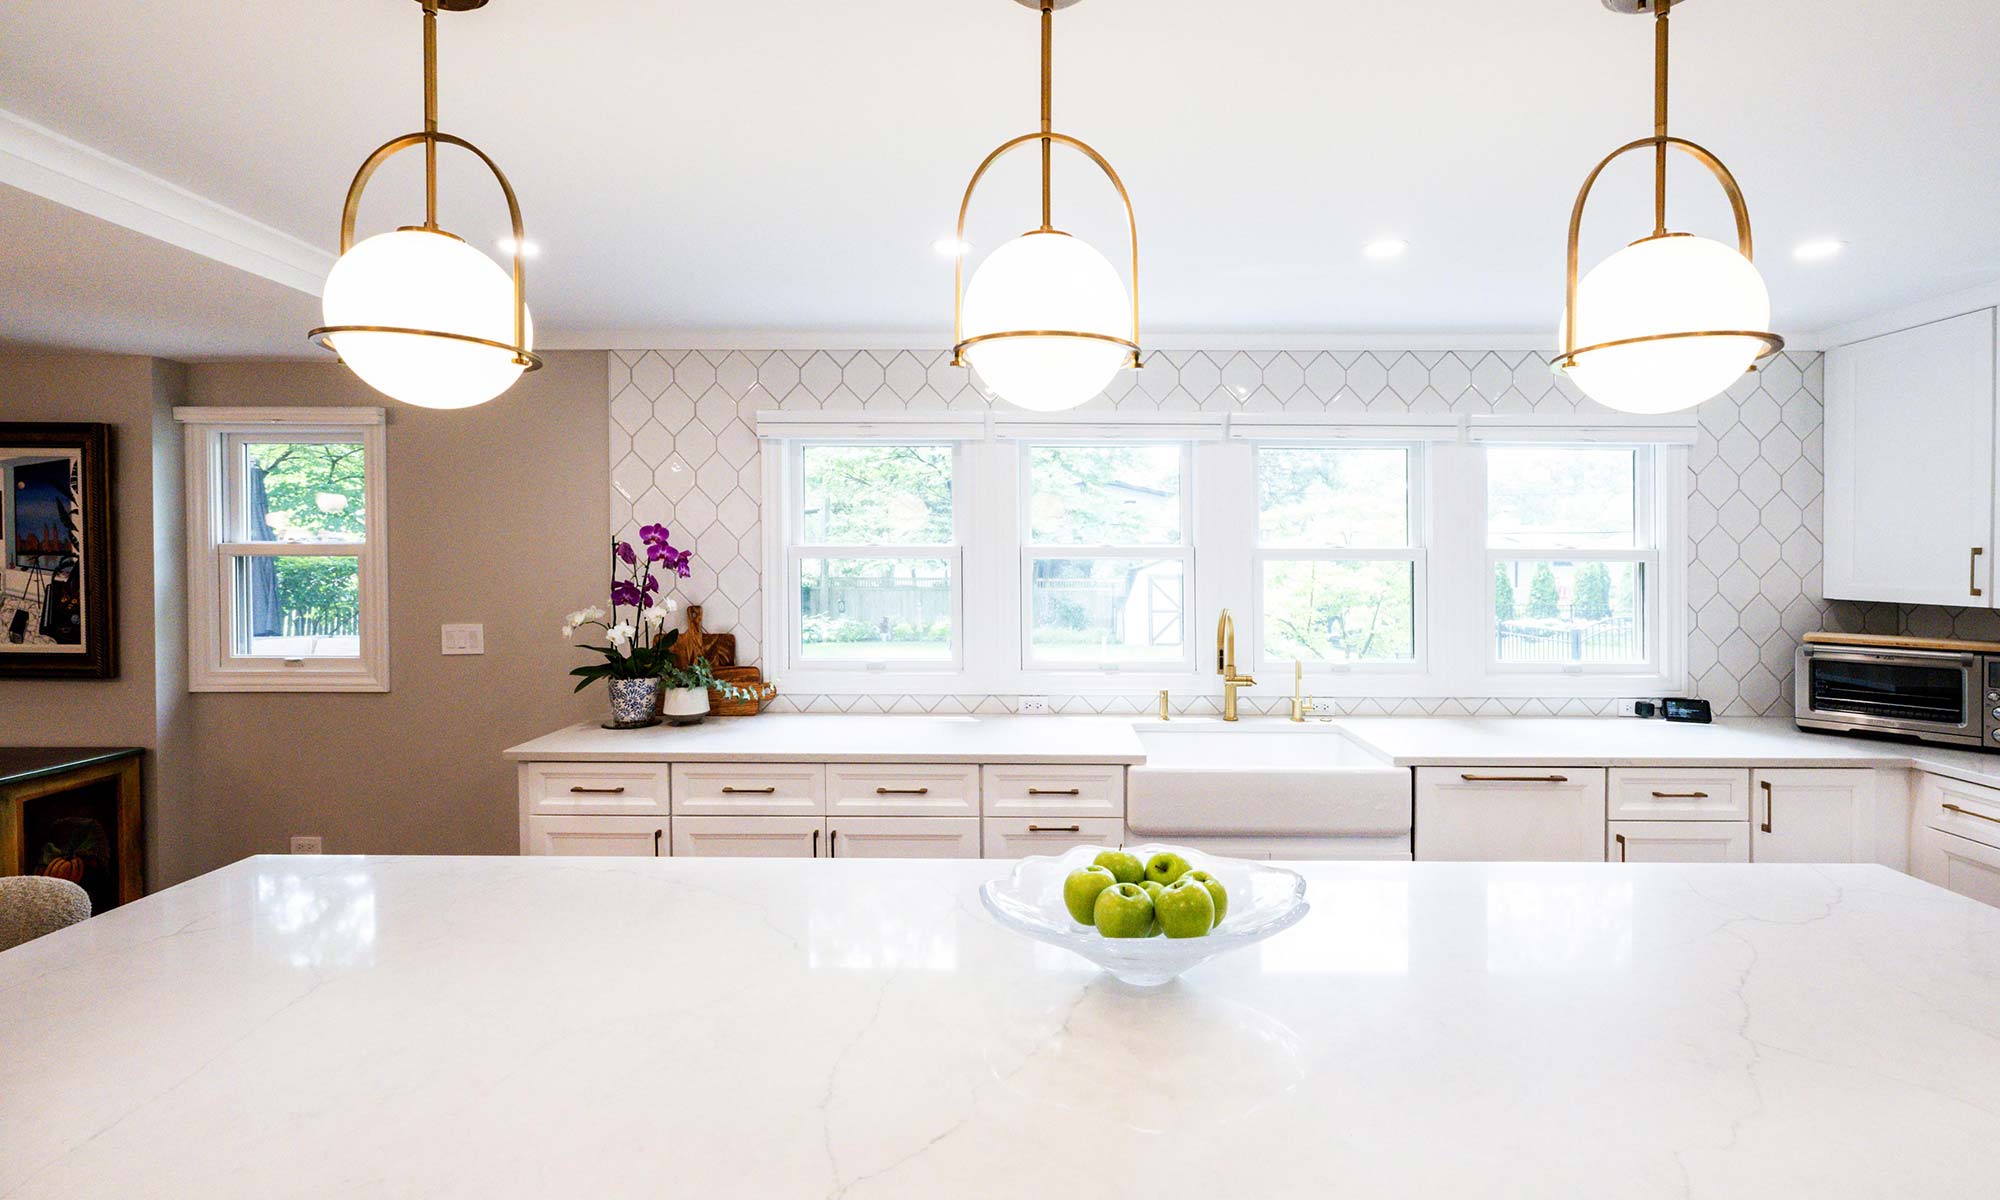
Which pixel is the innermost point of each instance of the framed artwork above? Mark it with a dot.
(58, 617)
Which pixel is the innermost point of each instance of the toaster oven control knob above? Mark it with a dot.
(1993, 697)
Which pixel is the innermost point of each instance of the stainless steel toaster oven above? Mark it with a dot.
(1932, 695)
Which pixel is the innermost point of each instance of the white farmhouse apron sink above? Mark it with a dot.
(1270, 780)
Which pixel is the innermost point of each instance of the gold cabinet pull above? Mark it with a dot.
(658, 834)
(1055, 791)
(833, 843)
(1055, 829)
(1767, 804)
(922, 791)
(1515, 778)
(1680, 795)
(815, 843)
(610, 791)
(1972, 575)
(737, 791)
(1621, 846)
(1966, 812)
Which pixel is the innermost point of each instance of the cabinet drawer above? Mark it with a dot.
(1018, 837)
(1677, 841)
(902, 837)
(749, 837)
(1034, 791)
(902, 790)
(750, 789)
(1510, 814)
(1972, 869)
(1676, 794)
(597, 837)
(596, 789)
(1964, 809)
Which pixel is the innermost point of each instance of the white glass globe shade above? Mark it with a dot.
(1668, 285)
(417, 279)
(1047, 281)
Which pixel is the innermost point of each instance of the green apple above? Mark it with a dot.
(1125, 911)
(1126, 867)
(1154, 890)
(1165, 867)
(1080, 892)
(1215, 893)
(1185, 909)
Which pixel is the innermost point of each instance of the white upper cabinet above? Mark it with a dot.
(1909, 465)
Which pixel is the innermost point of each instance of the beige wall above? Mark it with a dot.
(497, 515)
(136, 396)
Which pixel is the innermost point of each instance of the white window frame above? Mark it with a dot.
(214, 509)
(1416, 553)
(872, 673)
(1029, 551)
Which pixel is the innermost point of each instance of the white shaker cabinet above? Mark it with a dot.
(1909, 465)
(1023, 837)
(1503, 814)
(1957, 842)
(902, 837)
(1812, 816)
(597, 836)
(1677, 842)
(749, 837)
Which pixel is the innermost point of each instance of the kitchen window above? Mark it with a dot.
(874, 556)
(288, 570)
(1106, 562)
(1338, 567)
(1572, 557)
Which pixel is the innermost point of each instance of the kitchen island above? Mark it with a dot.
(735, 1028)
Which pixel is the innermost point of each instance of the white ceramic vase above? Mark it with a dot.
(684, 706)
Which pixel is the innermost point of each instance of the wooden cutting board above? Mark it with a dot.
(718, 648)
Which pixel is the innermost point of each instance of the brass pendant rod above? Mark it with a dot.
(1660, 118)
(431, 115)
(1048, 105)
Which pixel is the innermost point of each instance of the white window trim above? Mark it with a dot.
(212, 666)
(1448, 506)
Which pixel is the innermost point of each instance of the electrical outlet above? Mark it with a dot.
(1638, 708)
(1033, 706)
(306, 845)
(464, 639)
(1320, 708)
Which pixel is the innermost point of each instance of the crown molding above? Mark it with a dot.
(43, 162)
(1908, 316)
(755, 339)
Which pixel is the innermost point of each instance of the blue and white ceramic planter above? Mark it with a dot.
(634, 701)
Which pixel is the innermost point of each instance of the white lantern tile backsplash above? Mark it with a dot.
(684, 453)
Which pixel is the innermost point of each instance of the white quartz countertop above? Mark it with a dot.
(502, 1027)
(807, 737)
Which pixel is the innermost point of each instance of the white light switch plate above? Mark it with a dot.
(305, 844)
(465, 639)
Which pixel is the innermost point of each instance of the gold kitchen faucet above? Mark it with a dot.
(1225, 665)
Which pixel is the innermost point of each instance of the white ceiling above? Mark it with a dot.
(784, 165)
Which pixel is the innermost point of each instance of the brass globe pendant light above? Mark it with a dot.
(1046, 322)
(417, 313)
(1673, 319)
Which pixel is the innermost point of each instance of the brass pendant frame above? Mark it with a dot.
(1048, 139)
(430, 139)
(1660, 143)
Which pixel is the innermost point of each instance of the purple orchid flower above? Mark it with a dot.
(679, 562)
(625, 593)
(655, 537)
(625, 553)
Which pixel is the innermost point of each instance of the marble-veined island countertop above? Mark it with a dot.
(719, 1028)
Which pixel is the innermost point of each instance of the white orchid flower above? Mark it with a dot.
(654, 619)
(620, 636)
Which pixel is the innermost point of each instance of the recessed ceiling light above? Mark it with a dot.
(952, 247)
(1383, 249)
(528, 249)
(1819, 249)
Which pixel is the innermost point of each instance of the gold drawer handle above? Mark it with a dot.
(1621, 846)
(922, 791)
(1766, 785)
(1680, 795)
(1972, 581)
(1055, 791)
(1515, 778)
(737, 791)
(1055, 829)
(610, 791)
(1966, 812)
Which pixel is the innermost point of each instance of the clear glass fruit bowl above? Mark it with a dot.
(1263, 900)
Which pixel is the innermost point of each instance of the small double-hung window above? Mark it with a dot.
(875, 558)
(1106, 560)
(1339, 564)
(287, 558)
